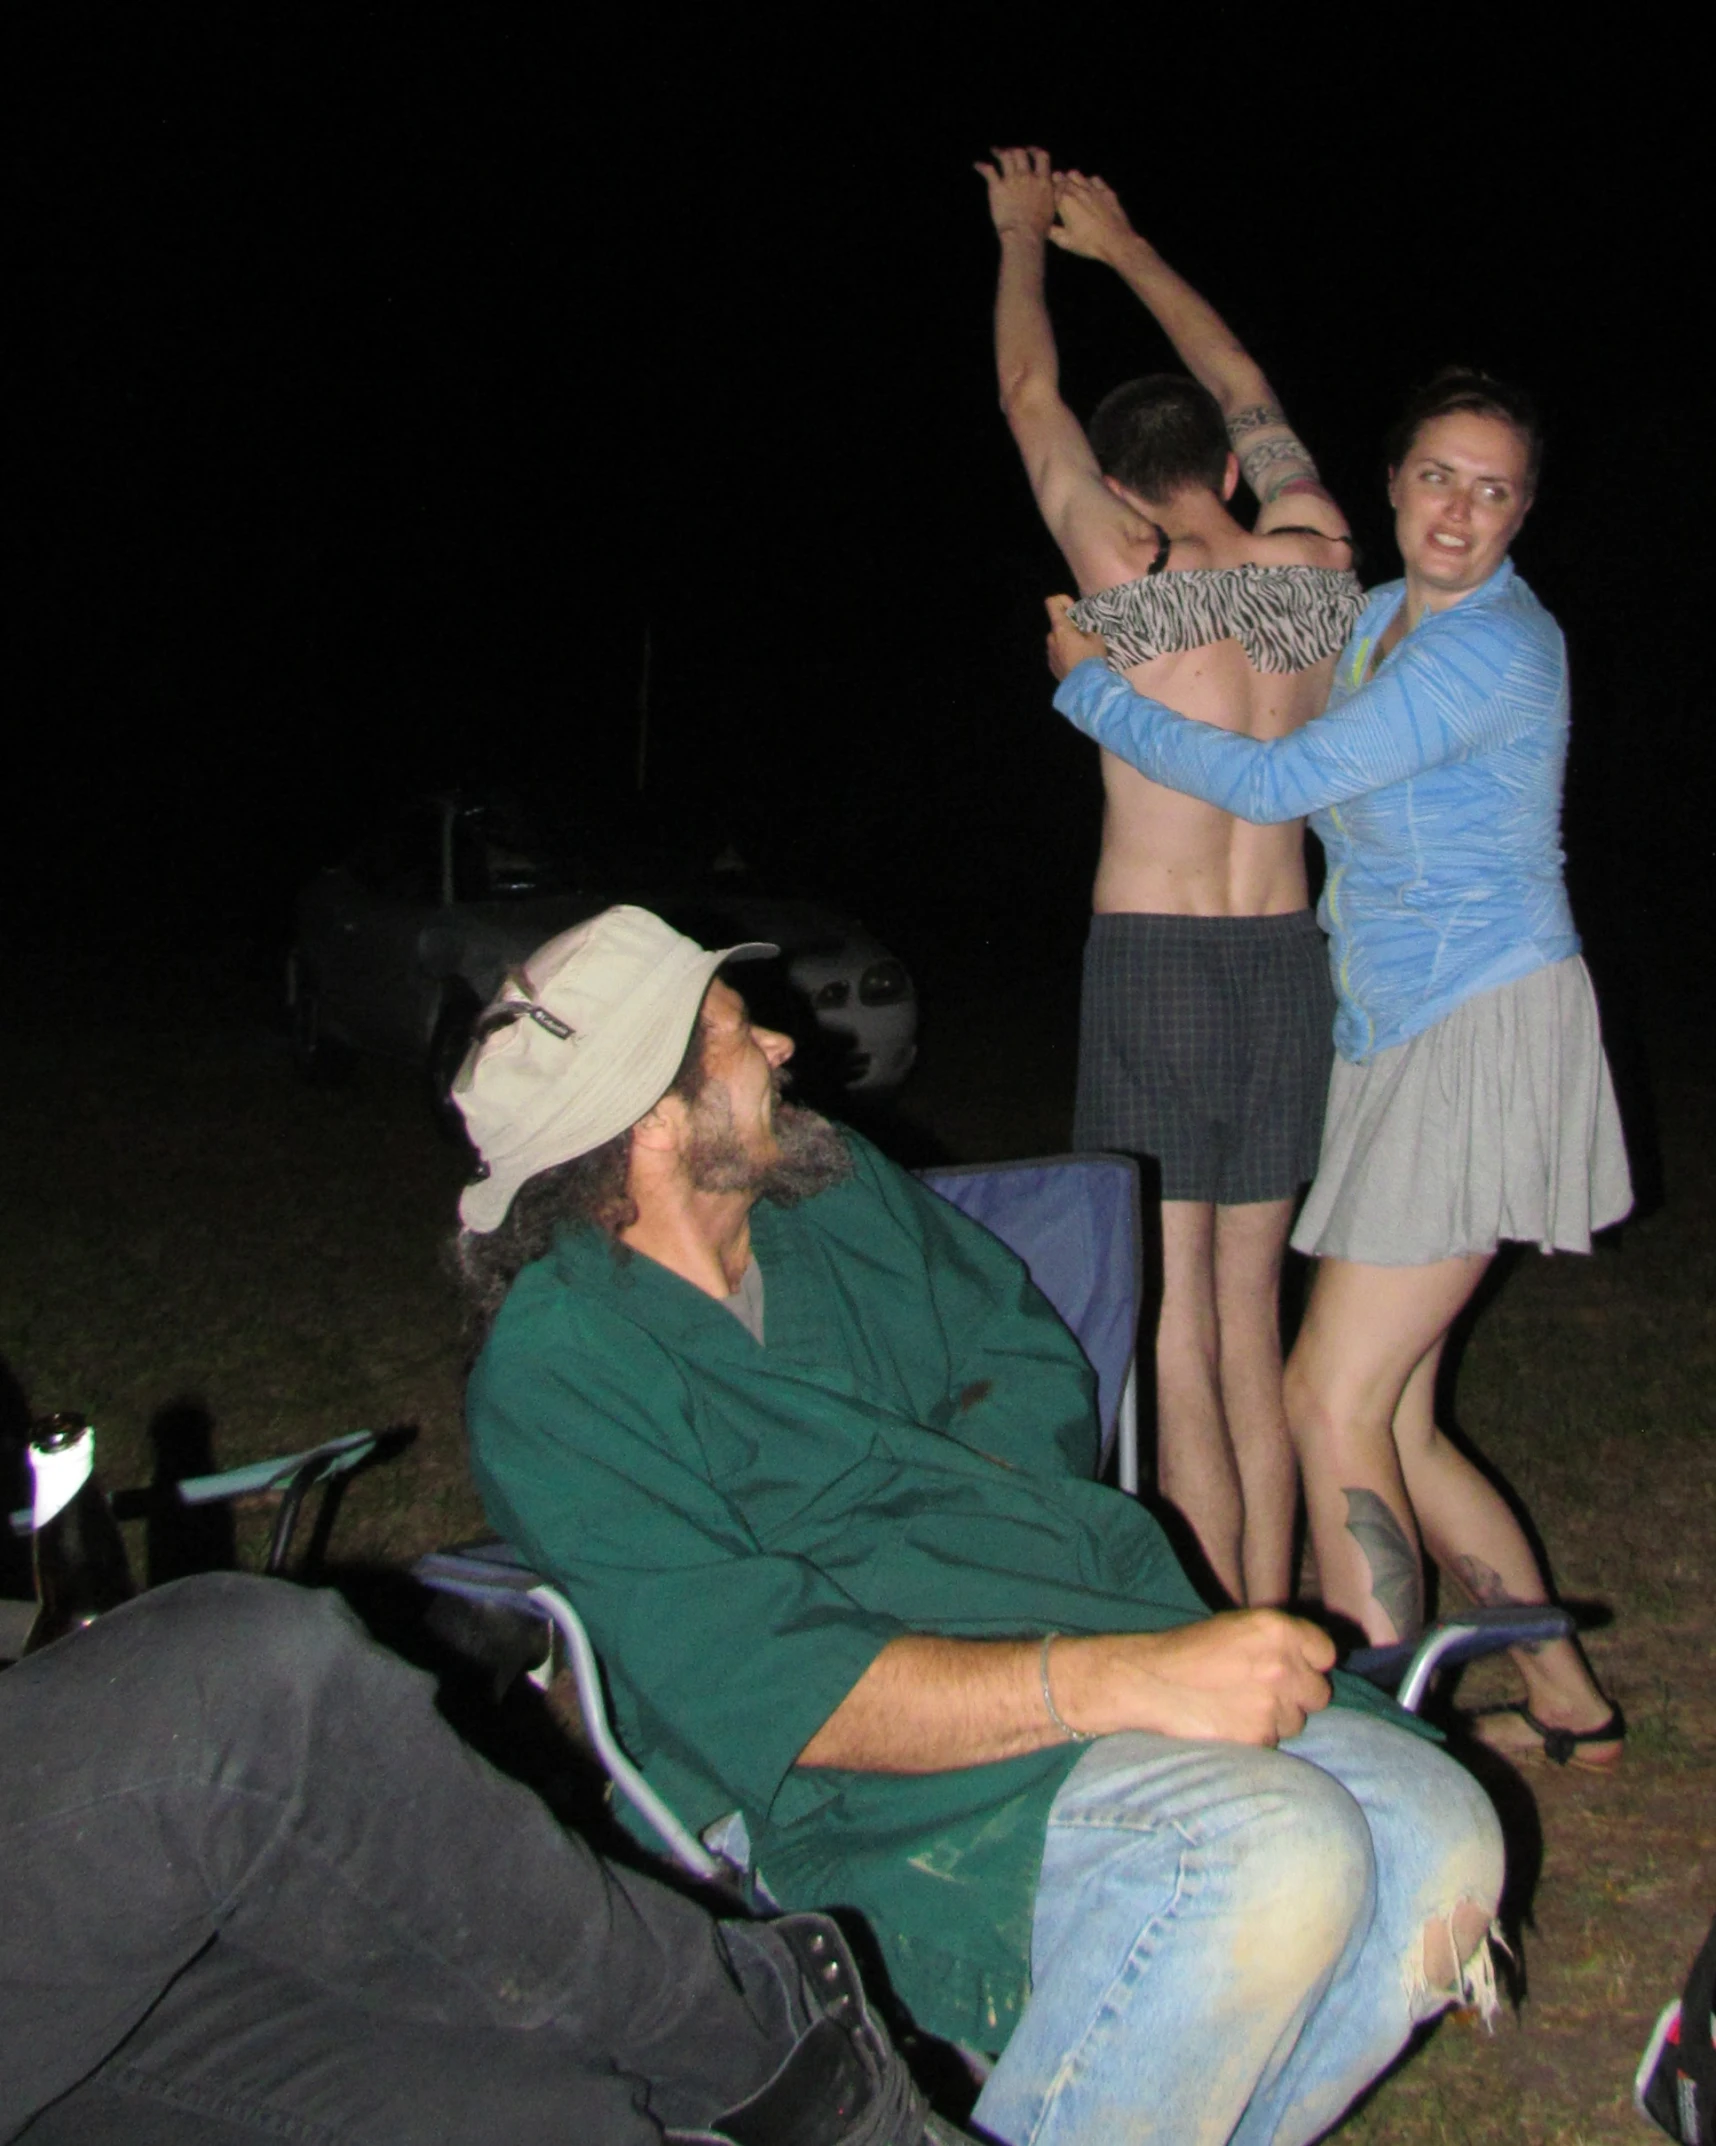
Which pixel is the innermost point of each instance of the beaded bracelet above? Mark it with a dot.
(1073, 1736)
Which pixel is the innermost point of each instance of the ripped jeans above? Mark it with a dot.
(1229, 1943)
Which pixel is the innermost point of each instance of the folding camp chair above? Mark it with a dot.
(1074, 1221)
(290, 1477)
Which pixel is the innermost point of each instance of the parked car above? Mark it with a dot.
(398, 948)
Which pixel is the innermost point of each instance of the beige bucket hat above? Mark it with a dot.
(605, 1012)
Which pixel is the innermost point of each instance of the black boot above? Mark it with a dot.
(841, 2082)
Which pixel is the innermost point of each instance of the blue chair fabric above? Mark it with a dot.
(1074, 1221)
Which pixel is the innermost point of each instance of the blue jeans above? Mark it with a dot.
(1229, 1942)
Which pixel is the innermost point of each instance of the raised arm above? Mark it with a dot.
(1435, 703)
(1273, 461)
(1100, 538)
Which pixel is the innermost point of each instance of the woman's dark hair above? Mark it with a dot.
(590, 1190)
(1459, 388)
(1160, 435)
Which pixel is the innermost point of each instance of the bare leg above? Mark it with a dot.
(1470, 1530)
(1195, 1469)
(1249, 1242)
(1366, 1330)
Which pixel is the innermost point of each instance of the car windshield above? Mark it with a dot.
(502, 853)
(504, 850)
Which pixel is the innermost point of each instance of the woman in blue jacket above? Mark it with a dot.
(1470, 1099)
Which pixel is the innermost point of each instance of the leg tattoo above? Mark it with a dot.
(1396, 1578)
(1489, 1591)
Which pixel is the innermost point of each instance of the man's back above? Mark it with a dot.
(1169, 854)
(1203, 1025)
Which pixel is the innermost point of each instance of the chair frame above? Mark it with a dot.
(494, 1575)
(290, 1477)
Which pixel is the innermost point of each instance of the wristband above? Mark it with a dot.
(1072, 1735)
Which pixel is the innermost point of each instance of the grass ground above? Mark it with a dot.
(198, 1248)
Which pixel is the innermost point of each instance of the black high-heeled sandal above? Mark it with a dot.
(1560, 1746)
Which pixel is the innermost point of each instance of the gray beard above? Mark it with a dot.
(812, 1158)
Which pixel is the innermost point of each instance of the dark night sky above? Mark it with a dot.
(379, 377)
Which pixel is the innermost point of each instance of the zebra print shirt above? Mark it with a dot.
(1286, 618)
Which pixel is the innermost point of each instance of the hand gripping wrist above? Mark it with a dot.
(1072, 1735)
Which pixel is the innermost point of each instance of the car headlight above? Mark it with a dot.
(884, 983)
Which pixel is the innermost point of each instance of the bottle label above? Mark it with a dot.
(59, 1477)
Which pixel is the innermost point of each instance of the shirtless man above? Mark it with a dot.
(1204, 1033)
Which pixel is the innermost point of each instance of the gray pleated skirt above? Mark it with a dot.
(1498, 1122)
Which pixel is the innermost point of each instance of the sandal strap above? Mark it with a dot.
(1560, 1744)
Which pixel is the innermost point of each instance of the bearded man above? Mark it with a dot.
(813, 1458)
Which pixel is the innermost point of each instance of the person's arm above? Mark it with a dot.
(1274, 462)
(1437, 701)
(925, 1705)
(1097, 533)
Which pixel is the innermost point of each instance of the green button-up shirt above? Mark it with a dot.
(744, 1526)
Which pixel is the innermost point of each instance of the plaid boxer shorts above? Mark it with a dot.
(1205, 1043)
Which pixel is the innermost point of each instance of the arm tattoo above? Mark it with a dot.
(1488, 1590)
(1396, 1580)
(1289, 457)
(1265, 454)
(1255, 417)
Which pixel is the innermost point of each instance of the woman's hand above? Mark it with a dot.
(1092, 222)
(1068, 648)
(1021, 186)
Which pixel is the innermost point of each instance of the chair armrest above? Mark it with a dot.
(254, 1478)
(1408, 1666)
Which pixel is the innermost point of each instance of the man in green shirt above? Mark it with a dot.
(813, 1458)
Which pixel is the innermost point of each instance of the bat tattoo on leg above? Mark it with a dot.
(1489, 1590)
(1396, 1578)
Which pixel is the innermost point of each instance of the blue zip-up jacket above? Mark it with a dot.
(1435, 790)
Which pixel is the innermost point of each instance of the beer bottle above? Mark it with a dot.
(79, 1556)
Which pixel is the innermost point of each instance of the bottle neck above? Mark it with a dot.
(61, 1469)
